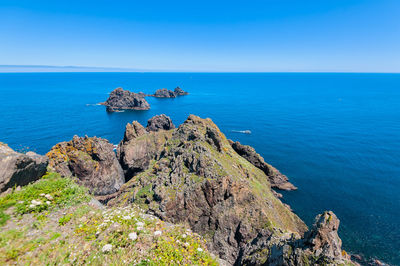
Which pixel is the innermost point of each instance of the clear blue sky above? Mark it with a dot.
(269, 35)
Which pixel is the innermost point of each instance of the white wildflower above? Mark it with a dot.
(139, 228)
(199, 249)
(32, 206)
(106, 248)
(42, 194)
(140, 224)
(48, 196)
(157, 233)
(132, 236)
(36, 202)
(48, 202)
(127, 217)
(184, 236)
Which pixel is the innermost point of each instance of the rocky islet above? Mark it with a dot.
(120, 99)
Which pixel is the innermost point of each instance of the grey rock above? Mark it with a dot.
(179, 92)
(18, 169)
(135, 152)
(159, 122)
(164, 93)
(121, 99)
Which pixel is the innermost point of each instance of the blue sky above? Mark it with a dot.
(269, 35)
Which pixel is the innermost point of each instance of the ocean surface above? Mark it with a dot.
(336, 136)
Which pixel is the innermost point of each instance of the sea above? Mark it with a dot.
(335, 135)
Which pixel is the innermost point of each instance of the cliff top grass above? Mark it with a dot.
(69, 227)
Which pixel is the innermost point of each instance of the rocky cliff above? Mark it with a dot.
(193, 175)
(121, 99)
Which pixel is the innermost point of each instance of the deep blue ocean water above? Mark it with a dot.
(336, 136)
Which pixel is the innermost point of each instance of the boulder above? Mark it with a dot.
(92, 160)
(18, 169)
(121, 99)
(159, 122)
(276, 178)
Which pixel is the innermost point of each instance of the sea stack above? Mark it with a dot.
(165, 93)
(121, 99)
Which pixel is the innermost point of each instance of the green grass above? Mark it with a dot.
(3, 218)
(62, 192)
(65, 219)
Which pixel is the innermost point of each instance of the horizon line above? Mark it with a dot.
(91, 69)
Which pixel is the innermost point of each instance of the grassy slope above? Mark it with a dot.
(70, 229)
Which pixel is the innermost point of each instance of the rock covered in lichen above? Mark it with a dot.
(121, 99)
(18, 169)
(91, 160)
(276, 178)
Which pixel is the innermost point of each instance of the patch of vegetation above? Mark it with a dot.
(3, 218)
(180, 248)
(65, 219)
(51, 191)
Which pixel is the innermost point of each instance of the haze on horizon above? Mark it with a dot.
(214, 36)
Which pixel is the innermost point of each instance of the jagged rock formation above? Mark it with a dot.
(91, 160)
(276, 178)
(192, 175)
(165, 93)
(320, 246)
(121, 99)
(160, 122)
(139, 147)
(179, 92)
(18, 169)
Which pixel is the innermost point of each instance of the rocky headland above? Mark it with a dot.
(191, 176)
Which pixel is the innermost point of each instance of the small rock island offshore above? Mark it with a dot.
(121, 99)
(168, 195)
